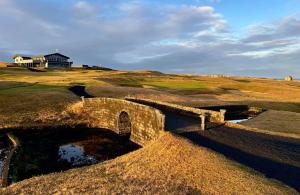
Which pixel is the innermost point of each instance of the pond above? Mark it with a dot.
(53, 150)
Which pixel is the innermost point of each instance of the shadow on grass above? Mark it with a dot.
(286, 173)
(79, 90)
(36, 70)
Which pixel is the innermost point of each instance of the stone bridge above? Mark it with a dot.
(144, 120)
(141, 122)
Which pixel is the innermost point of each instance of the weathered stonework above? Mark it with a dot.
(210, 116)
(146, 122)
(145, 119)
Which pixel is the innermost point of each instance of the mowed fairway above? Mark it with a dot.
(173, 164)
(25, 91)
(222, 88)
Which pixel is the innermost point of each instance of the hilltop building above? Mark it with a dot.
(55, 60)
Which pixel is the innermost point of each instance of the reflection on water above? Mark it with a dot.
(4, 150)
(75, 155)
(53, 150)
(239, 120)
(3, 156)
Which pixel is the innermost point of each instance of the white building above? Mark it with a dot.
(55, 60)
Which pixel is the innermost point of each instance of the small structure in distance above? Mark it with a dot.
(288, 78)
(54, 60)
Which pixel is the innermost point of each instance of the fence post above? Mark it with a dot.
(203, 125)
(222, 115)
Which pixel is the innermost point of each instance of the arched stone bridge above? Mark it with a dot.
(144, 120)
(143, 123)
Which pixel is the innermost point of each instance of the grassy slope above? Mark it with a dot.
(169, 165)
(227, 89)
(277, 121)
(28, 98)
(22, 90)
(3, 64)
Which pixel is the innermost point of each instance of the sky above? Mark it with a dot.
(233, 37)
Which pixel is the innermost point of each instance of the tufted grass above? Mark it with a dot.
(29, 89)
(179, 84)
(170, 165)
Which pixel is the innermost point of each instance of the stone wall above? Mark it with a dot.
(210, 116)
(146, 123)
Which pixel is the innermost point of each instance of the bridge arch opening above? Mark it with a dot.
(124, 124)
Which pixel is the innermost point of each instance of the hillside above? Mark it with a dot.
(3, 64)
(6, 64)
(171, 165)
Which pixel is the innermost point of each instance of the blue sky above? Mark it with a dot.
(243, 13)
(233, 37)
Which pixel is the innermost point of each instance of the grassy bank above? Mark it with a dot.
(171, 165)
(184, 169)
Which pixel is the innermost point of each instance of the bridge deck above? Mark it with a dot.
(180, 123)
(182, 118)
(176, 121)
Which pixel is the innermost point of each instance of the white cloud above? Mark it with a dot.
(138, 35)
(83, 5)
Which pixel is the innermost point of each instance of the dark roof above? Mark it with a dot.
(58, 54)
(38, 56)
(23, 56)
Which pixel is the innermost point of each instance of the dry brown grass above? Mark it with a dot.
(122, 92)
(3, 64)
(34, 109)
(197, 87)
(276, 121)
(171, 165)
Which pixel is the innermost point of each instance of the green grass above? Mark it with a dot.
(176, 84)
(159, 83)
(128, 82)
(297, 105)
(29, 89)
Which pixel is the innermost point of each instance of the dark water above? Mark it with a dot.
(53, 150)
(239, 120)
(234, 113)
(79, 90)
(5, 147)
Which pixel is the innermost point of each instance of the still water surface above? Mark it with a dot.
(53, 150)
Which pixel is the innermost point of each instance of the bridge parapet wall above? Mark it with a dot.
(146, 122)
(211, 116)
